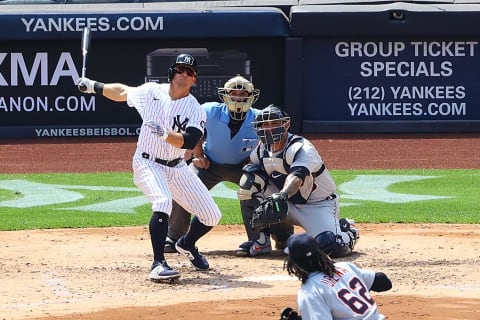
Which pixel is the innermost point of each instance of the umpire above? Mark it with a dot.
(228, 140)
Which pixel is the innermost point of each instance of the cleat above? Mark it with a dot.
(161, 272)
(244, 249)
(258, 248)
(197, 260)
(348, 226)
(170, 245)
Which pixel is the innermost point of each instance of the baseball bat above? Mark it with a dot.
(85, 47)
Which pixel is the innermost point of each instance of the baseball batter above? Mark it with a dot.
(289, 170)
(172, 121)
(335, 291)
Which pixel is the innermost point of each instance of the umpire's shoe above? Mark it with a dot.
(161, 271)
(192, 253)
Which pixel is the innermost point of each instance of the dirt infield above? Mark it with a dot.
(102, 273)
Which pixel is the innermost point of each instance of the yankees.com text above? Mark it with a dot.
(102, 24)
(407, 109)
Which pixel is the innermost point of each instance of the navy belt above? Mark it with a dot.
(168, 163)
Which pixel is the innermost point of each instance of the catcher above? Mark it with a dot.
(330, 290)
(289, 174)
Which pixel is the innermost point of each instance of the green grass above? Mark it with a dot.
(461, 186)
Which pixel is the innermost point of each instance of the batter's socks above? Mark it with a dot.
(196, 231)
(158, 228)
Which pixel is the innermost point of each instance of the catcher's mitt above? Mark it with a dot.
(290, 314)
(272, 210)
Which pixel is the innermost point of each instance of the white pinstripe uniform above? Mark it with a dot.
(161, 183)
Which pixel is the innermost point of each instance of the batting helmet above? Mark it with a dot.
(271, 134)
(237, 104)
(182, 59)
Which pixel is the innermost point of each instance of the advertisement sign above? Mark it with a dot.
(394, 80)
(387, 67)
(38, 96)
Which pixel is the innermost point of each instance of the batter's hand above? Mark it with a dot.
(156, 128)
(201, 162)
(86, 85)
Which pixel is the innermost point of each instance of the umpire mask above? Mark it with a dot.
(238, 94)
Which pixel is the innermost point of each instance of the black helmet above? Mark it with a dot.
(184, 59)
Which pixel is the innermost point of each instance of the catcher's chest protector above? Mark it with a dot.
(277, 167)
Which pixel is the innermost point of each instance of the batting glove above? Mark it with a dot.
(155, 128)
(86, 85)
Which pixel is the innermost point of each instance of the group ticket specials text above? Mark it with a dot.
(416, 60)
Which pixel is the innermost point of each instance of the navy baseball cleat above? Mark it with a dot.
(192, 253)
(161, 271)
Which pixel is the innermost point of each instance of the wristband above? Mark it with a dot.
(98, 87)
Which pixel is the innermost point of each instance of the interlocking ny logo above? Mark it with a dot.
(187, 59)
(178, 125)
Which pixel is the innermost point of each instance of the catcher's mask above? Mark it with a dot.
(272, 124)
(183, 60)
(238, 94)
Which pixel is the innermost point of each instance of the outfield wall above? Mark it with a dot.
(335, 68)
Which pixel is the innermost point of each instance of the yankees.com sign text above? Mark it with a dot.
(398, 80)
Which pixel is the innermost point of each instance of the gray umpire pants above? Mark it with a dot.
(179, 220)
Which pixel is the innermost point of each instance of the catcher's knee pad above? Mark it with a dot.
(332, 245)
(252, 183)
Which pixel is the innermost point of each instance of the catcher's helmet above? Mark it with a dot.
(182, 59)
(238, 104)
(267, 133)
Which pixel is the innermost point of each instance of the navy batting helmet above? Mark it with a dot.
(182, 59)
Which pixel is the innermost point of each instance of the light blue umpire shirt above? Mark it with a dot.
(219, 147)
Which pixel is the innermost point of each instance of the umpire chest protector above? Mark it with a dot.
(279, 165)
